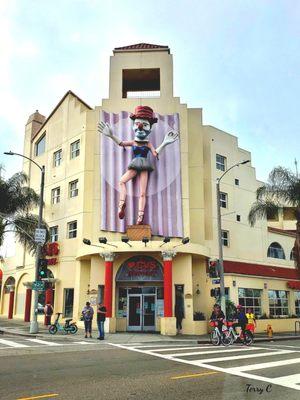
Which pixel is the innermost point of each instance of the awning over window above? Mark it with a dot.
(294, 284)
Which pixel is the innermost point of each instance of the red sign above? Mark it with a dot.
(50, 250)
(140, 268)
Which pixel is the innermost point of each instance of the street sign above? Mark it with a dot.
(40, 236)
(38, 285)
(216, 281)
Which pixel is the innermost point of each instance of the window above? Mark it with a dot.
(238, 218)
(220, 162)
(276, 251)
(75, 149)
(293, 255)
(179, 299)
(72, 229)
(100, 295)
(55, 195)
(237, 182)
(250, 298)
(278, 302)
(122, 302)
(73, 188)
(141, 82)
(297, 303)
(225, 238)
(57, 156)
(40, 145)
(53, 233)
(223, 200)
(68, 303)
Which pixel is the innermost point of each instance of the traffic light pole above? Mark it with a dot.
(221, 265)
(34, 326)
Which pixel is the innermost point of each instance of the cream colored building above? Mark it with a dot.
(259, 270)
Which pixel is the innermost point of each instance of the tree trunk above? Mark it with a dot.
(297, 242)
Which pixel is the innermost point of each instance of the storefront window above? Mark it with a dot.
(122, 302)
(278, 302)
(68, 303)
(297, 303)
(250, 298)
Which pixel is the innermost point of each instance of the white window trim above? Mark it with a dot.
(221, 164)
(55, 199)
(55, 164)
(224, 201)
(228, 241)
(55, 235)
(73, 192)
(72, 230)
(74, 151)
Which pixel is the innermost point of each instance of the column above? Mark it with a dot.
(110, 322)
(168, 323)
(48, 299)
(11, 303)
(27, 305)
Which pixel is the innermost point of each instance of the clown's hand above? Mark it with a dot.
(105, 129)
(169, 138)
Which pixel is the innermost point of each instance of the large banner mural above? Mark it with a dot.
(139, 159)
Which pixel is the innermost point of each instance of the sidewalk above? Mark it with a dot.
(21, 328)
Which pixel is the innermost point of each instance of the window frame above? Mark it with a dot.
(73, 152)
(69, 314)
(74, 190)
(237, 182)
(221, 165)
(55, 199)
(272, 251)
(246, 297)
(71, 231)
(224, 239)
(297, 302)
(223, 201)
(278, 299)
(57, 162)
(37, 143)
(55, 235)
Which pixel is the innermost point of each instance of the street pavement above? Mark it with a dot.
(72, 367)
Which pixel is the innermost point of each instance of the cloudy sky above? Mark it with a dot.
(237, 59)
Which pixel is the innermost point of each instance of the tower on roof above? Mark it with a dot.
(141, 70)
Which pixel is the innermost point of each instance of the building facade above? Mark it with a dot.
(142, 281)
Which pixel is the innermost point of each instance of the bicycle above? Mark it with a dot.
(67, 327)
(215, 336)
(245, 336)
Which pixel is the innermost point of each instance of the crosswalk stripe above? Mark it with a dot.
(288, 379)
(176, 348)
(10, 343)
(39, 341)
(271, 364)
(230, 350)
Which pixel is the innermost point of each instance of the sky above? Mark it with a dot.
(239, 60)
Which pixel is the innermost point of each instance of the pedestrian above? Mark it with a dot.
(48, 311)
(251, 319)
(101, 314)
(241, 318)
(179, 311)
(88, 313)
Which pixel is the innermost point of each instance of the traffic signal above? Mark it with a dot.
(43, 270)
(213, 268)
(215, 292)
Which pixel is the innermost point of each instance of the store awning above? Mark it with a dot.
(294, 284)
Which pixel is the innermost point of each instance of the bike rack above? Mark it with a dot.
(297, 324)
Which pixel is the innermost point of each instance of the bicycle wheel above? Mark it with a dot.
(248, 338)
(52, 329)
(226, 339)
(214, 338)
(73, 329)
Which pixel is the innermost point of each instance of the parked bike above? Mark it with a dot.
(245, 336)
(66, 328)
(216, 337)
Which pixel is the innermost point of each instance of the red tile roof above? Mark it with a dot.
(236, 267)
(141, 46)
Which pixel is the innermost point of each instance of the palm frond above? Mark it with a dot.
(261, 209)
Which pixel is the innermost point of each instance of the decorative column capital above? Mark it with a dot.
(28, 285)
(108, 256)
(168, 255)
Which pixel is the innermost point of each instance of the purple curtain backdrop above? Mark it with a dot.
(164, 201)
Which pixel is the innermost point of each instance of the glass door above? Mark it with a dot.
(134, 312)
(148, 312)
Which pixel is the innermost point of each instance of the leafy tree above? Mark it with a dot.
(16, 201)
(281, 190)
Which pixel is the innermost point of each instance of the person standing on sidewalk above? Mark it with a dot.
(48, 310)
(88, 313)
(101, 314)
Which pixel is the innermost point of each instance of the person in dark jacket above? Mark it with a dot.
(179, 311)
(219, 316)
(101, 314)
(240, 316)
(88, 313)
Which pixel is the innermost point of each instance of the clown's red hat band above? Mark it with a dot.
(144, 112)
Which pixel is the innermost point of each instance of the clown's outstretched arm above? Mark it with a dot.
(170, 137)
(105, 129)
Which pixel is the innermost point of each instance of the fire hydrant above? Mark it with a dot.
(269, 331)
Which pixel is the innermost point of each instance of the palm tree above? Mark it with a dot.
(16, 201)
(281, 190)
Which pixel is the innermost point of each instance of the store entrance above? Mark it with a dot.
(141, 312)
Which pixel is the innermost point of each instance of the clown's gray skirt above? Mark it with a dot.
(141, 164)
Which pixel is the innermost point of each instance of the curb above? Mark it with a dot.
(259, 340)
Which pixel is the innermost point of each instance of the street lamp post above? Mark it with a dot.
(34, 327)
(219, 222)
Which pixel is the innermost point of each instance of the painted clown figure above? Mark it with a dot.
(140, 166)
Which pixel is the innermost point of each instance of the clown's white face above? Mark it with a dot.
(142, 129)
